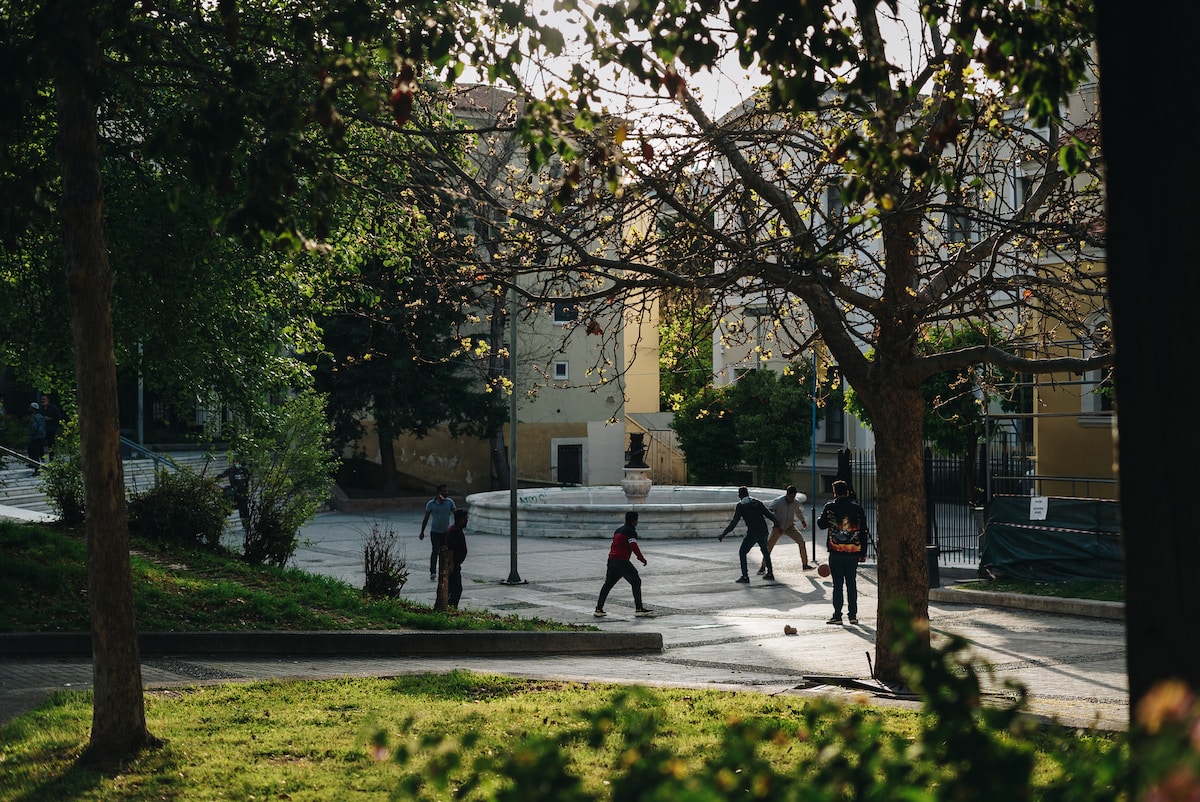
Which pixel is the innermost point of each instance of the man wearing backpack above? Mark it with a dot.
(755, 514)
(846, 522)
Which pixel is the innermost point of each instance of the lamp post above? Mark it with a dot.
(813, 458)
(514, 578)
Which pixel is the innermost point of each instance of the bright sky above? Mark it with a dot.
(718, 90)
(727, 84)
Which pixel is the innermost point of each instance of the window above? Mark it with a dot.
(835, 211)
(1022, 190)
(958, 225)
(561, 371)
(834, 422)
(565, 312)
(1098, 397)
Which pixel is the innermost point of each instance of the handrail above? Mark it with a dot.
(157, 457)
(22, 457)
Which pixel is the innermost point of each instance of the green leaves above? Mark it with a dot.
(763, 420)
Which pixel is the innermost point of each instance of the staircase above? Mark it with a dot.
(21, 490)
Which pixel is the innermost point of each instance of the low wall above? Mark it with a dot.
(670, 511)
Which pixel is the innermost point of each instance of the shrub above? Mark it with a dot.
(386, 570)
(288, 472)
(182, 507)
(62, 476)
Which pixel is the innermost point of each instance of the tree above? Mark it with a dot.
(685, 348)
(1152, 282)
(253, 99)
(863, 201)
(762, 420)
(396, 353)
(956, 401)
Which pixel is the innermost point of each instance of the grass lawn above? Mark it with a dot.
(381, 739)
(43, 588)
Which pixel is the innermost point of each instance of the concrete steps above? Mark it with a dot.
(20, 489)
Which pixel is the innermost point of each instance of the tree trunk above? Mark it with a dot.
(118, 718)
(441, 599)
(387, 459)
(1152, 286)
(900, 543)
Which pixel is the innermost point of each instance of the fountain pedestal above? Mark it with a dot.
(636, 484)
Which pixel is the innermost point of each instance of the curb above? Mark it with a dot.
(1085, 608)
(359, 642)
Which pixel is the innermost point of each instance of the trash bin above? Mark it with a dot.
(932, 553)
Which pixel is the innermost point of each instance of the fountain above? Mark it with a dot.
(636, 483)
(664, 511)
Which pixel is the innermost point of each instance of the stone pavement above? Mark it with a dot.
(714, 633)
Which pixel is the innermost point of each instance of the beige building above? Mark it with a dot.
(580, 374)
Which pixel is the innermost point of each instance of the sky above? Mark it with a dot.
(718, 90)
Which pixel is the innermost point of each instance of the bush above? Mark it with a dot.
(288, 473)
(62, 477)
(182, 507)
(385, 569)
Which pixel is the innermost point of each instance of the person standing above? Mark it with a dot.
(438, 514)
(755, 514)
(620, 565)
(785, 509)
(846, 523)
(456, 551)
(54, 417)
(37, 436)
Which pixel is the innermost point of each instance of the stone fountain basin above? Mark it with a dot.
(669, 511)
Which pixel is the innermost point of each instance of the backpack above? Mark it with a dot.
(847, 540)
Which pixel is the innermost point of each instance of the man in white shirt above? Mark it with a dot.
(786, 508)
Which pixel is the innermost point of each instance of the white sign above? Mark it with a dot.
(1038, 506)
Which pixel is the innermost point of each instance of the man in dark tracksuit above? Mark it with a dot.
(755, 514)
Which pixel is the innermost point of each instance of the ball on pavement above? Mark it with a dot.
(823, 569)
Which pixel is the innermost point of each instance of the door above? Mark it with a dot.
(570, 464)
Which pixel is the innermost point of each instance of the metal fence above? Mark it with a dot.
(956, 489)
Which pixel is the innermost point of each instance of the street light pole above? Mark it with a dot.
(514, 578)
(813, 458)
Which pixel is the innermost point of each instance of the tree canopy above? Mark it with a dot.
(868, 195)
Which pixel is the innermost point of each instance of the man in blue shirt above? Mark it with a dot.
(438, 514)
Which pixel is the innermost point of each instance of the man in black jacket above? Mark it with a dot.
(455, 545)
(755, 514)
(846, 523)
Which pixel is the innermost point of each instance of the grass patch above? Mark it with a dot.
(43, 587)
(378, 739)
(1093, 590)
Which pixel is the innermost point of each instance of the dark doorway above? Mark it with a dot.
(570, 464)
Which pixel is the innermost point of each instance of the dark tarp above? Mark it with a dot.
(1078, 540)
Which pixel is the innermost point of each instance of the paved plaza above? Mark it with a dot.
(715, 633)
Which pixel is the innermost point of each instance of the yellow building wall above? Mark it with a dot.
(462, 463)
(1071, 444)
(641, 359)
(534, 447)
